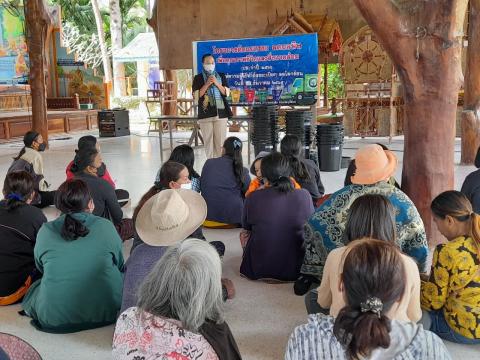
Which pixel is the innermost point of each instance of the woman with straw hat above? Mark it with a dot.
(164, 220)
(324, 230)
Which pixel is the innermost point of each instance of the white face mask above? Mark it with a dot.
(186, 186)
(209, 67)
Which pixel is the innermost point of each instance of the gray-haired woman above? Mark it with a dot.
(179, 312)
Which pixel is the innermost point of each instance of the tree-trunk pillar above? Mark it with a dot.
(37, 22)
(428, 156)
(471, 100)
(423, 39)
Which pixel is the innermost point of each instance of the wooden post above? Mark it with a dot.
(325, 83)
(471, 100)
(422, 41)
(392, 131)
(77, 101)
(171, 106)
(37, 26)
(470, 136)
(54, 65)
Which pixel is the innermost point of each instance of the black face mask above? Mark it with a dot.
(42, 147)
(101, 170)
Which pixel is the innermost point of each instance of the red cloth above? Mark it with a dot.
(105, 177)
(322, 200)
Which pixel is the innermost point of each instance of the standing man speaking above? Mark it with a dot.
(213, 108)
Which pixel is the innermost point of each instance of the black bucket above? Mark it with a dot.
(330, 146)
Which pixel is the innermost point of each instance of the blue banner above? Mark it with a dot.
(276, 69)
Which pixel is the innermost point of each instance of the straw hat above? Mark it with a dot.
(170, 217)
(373, 164)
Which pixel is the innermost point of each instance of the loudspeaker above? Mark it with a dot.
(113, 123)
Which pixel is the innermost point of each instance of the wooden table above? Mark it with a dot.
(195, 133)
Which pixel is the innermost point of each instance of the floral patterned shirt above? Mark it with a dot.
(325, 229)
(141, 336)
(454, 285)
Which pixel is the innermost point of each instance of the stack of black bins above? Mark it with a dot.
(329, 146)
(265, 128)
(299, 123)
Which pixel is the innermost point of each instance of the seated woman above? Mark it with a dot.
(80, 256)
(257, 182)
(162, 220)
(351, 172)
(19, 226)
(183, 154)
(452, 293)
(224, 183)
(305, 171)
(372, 283)
(179, 310)
(90, 141)
(30, 160)
(87, 163)
(325, 229)
(172, 175)
(274, 219)
(371, 216)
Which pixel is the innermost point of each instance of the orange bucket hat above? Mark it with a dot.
(373, 164)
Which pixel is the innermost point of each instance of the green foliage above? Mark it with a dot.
(79, 14)
(336, 87)
(133, 19)
(14, 7)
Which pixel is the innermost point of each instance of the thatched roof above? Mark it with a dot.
(328, 29)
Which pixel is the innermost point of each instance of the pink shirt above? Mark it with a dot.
(139, 335)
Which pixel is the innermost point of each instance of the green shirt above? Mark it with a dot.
(81, 287)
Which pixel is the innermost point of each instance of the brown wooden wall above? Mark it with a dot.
(182, 21)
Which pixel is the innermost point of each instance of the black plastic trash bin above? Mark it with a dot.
(330, 146)
(265, 128)
(298, 123)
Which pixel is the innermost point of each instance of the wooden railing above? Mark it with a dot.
(185, 106)
(63, 102)
(23, 101)
(15, 101)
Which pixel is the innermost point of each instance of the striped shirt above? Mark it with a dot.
(316, 341)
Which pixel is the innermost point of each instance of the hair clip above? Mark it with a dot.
(237, 144)
(372, 304)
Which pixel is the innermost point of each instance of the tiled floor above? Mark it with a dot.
(261, 316)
